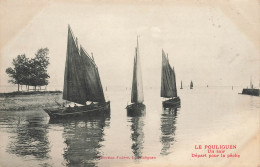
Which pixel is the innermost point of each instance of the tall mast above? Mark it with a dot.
(251, 83)
(137, 84)
(137, 47)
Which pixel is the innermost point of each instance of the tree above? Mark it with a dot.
(38, 68)
(30, 72)
(20, 71)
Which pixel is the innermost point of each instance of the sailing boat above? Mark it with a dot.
(81, 84)
(252, 90)
(168, 84)
(181, 85)
(137, 96)
(191, 85)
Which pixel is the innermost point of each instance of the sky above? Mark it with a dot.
(209, 43)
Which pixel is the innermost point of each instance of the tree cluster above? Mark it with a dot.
(30, 72)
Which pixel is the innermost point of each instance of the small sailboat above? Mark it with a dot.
(137, 97)
(191, 85)
(181, 85)
(81, 84)
(252, 90)
(168, 84)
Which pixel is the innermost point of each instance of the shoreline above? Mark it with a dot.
(16, 93)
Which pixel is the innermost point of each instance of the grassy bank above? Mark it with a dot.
(19, 101)
(11, 94)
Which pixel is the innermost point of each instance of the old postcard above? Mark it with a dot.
(130, 83)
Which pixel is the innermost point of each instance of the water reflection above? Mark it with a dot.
(168, 119)
(137, 135)
(83, 138)
(30, 138)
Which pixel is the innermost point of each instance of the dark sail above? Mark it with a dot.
(73, 89)
(191, 84)
(174, 83)
(137, 84)
(91, 79)
(168, 82)
(181, 84)
(134, 86)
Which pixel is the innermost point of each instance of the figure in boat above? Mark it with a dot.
(168, 84)
(191, 85)
(137, 97)
(181, 85)
(81, 84)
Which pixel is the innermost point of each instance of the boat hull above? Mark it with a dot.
(79, 111)
(171, 103)
(79, 119)
(252, 92)
(135, 109)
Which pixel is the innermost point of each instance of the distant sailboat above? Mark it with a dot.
(181, 85)
(168, 84)
(251, 84)
(191, 85)
(251, 91)
(81, 84)
(137, 96)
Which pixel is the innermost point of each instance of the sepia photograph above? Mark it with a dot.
(172, 83)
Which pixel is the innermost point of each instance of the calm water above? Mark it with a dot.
(207, 116)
